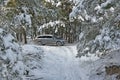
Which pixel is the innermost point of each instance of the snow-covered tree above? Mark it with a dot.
(11, 64)
(101, 32)
(16, 62)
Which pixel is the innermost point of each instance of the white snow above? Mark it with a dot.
(51, 1)
(52, 24)
(81, 35)
(117, 19)
(93, 19)
(1, 30)
(80, 18)
(6, 2)
(58, 4)
(72, 15)
(98, 7)
(60, 63)
(112, 9)
(23, 18)
(106, 3)
(76, 10)
(11, 59)
(100, 19)
(19, 67)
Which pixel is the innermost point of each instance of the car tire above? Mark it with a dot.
(58, 43)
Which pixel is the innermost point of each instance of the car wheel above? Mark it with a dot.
(59, 43)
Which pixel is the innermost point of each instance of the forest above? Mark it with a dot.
(31, 18)
(92, 27)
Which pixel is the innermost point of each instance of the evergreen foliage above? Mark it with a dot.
(10, 57)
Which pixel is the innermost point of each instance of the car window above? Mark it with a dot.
(40, 37)
(44, 37)
(48, 36)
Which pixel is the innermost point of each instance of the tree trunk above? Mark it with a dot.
(24, 36)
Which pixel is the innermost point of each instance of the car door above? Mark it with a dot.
(42, 39)
(50, 40)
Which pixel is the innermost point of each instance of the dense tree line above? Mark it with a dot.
(41, 12)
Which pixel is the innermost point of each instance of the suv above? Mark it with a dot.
(49, 40)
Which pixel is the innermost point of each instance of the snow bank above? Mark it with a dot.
(98, 72)
(32, 58)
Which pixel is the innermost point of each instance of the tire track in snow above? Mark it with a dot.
(60, 63)
(72, 68)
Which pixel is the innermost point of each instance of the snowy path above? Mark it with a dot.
(60, 63)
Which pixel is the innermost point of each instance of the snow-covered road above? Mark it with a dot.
(60, 63)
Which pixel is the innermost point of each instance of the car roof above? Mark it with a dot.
(45, 35)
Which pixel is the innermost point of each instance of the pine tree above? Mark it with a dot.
(11, 65)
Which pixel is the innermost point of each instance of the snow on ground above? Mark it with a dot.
(60, 63)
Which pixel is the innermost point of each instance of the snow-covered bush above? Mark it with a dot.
(107, 68)
(100, 33)
(23, 18)
(18, 63)
(107, 39)
(11, 64)
(32, 58)
(91, 13)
